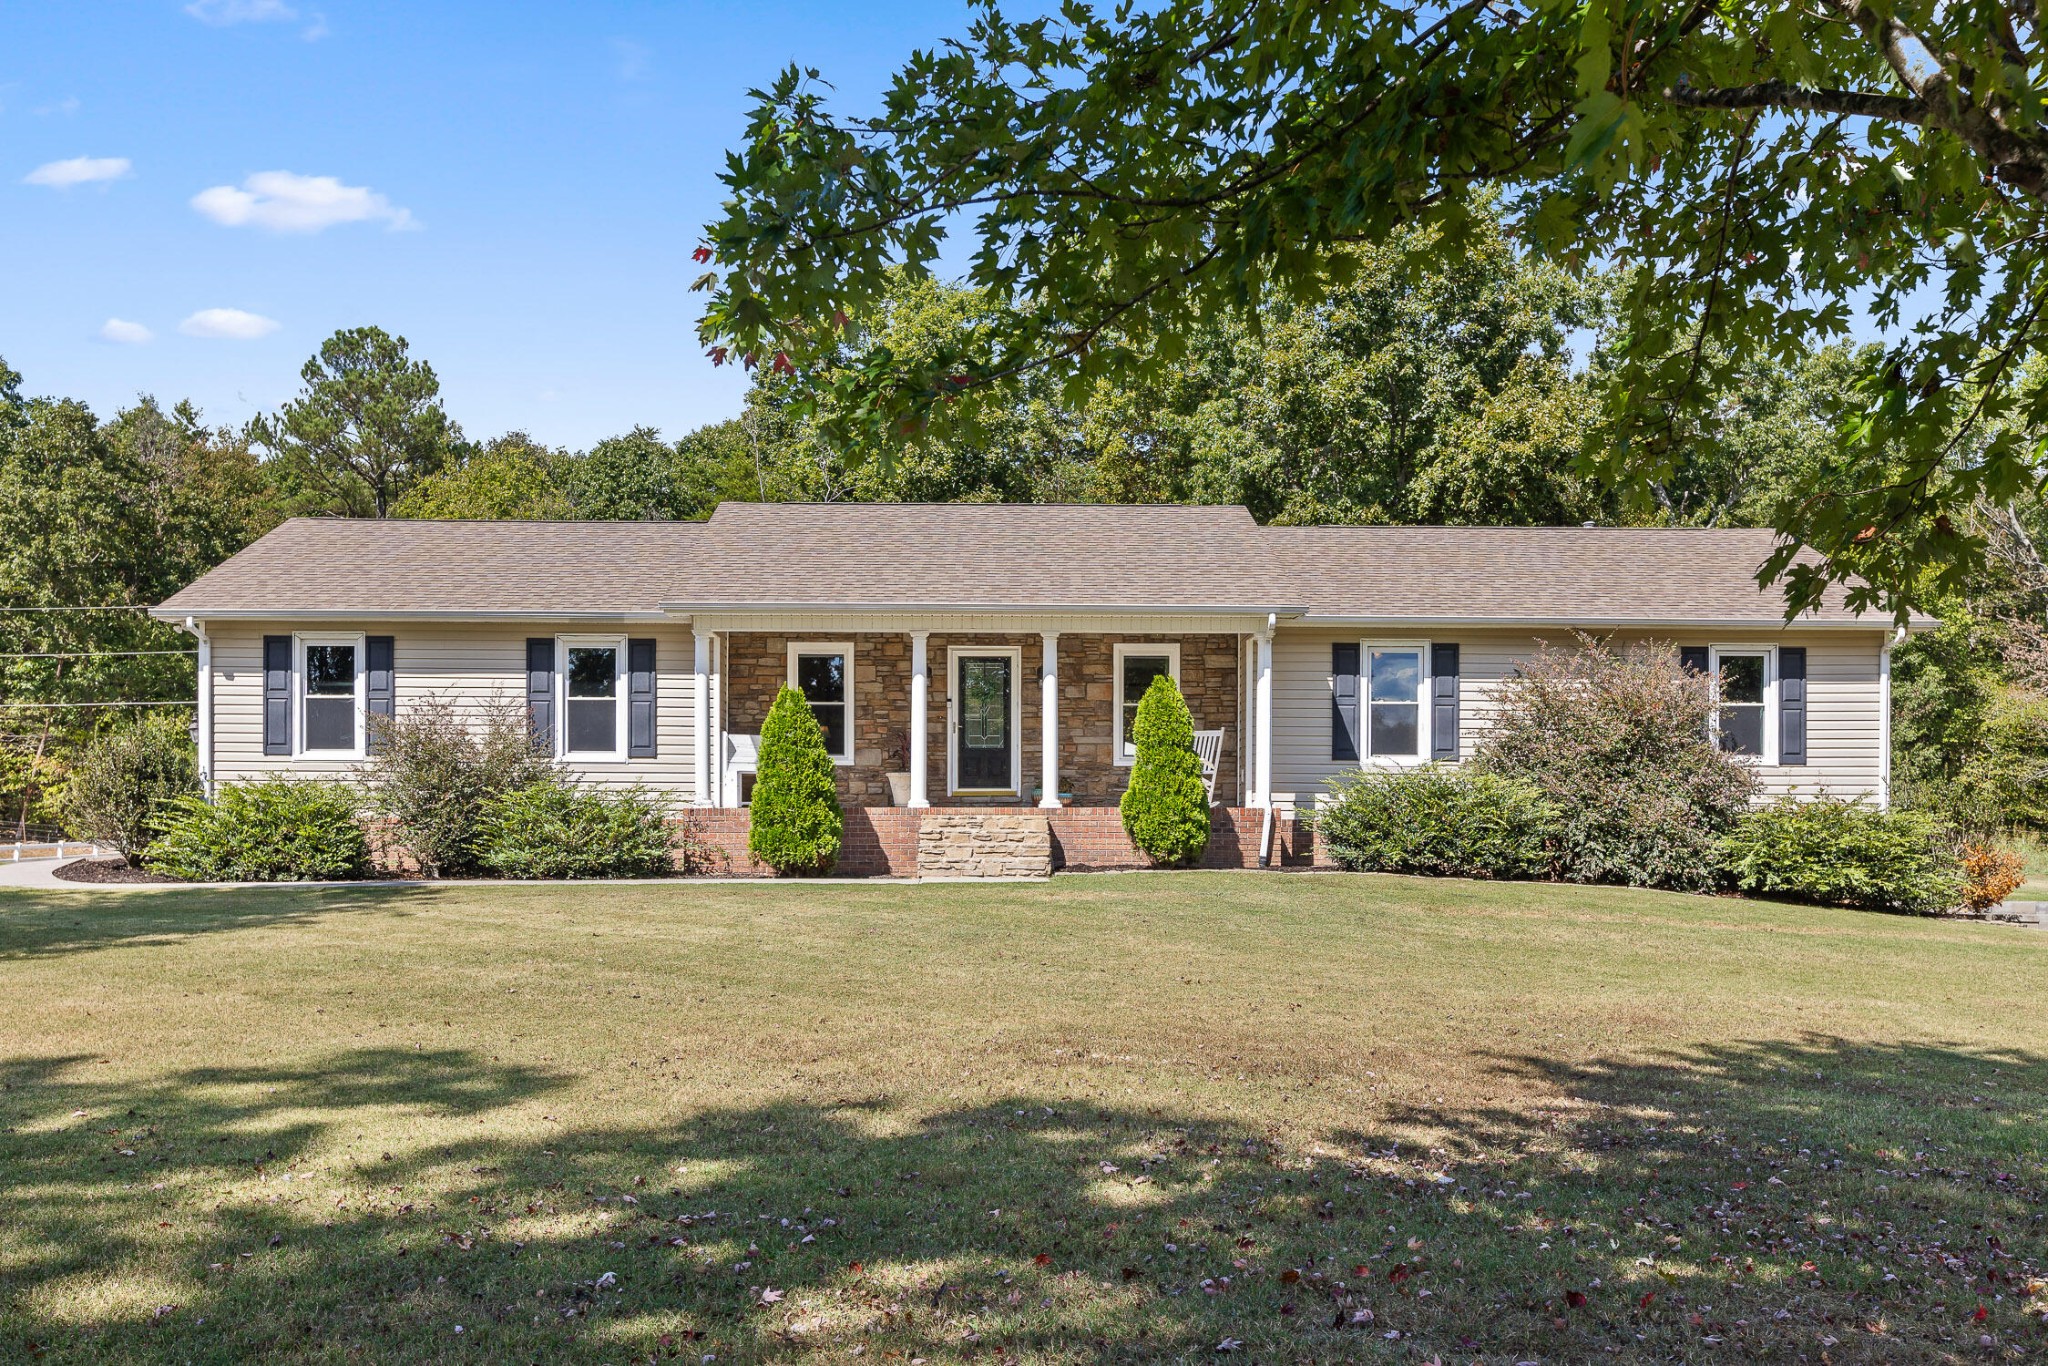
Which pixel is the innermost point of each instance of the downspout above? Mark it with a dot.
(1884, 719)
(204, 740)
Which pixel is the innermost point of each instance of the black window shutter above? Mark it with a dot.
(277, 694)
(640, 699)
(1443, 703)
(380, 694)
(540, 691)
(1694, 657)
(1792, 704)
(1344, 700)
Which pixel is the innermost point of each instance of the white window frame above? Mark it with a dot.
(1015, 655)
(299, 644)
(1125, 755)
(830, 647)
(1769, 757)
(617, 644)
(1423, 702)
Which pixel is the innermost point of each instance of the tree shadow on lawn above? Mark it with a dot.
(42, 924)
(1730, 1204)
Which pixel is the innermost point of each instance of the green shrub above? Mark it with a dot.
(277, 830)
(557, 828)
(1439, 820)
(1617, 741)
(433, 773)
(796, 824)
(1166, 806)
(123, 780)
(1844, 853)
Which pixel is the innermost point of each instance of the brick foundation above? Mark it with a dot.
(884, 841)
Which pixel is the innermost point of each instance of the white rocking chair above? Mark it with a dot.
(742, 761)
(1209, 749)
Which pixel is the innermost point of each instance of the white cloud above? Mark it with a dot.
(221, 13)
(283, 202)
(125, 333)
(62, 175)
(231, 324)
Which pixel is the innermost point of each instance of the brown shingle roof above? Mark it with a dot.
(979, 555)
(332, 565)
(995, 556)
(1590, 575)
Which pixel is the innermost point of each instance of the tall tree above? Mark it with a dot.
(1770, 170)
(509, 477)
(97, 522)
(366, 427)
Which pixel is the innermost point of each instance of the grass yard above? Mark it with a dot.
(1187, 1117)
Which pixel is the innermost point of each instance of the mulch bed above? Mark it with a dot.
(113, 869)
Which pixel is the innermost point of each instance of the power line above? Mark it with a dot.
(89, 654)
(48, 706)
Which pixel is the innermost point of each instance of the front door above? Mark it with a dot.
(983, 741)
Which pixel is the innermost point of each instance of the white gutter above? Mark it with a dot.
(204, 740)
(175, 615)
(1618, 623)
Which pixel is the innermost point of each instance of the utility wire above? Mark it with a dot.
(49, 706)
(89, 654)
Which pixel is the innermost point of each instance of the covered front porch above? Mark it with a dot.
(956, 710)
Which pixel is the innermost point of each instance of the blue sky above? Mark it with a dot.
(515, 188)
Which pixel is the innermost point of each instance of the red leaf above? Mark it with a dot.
(718, 354)
(1981, 1314)
(1042, 1259)
(701, 255)
(1399, 1273)
(840, 319)
(1289, 1276)
(854, 1267)
(782, 365)
(1362, 1271)
(1644, 1302)
(1576, 1299)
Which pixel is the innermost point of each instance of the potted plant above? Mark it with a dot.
(898, 772)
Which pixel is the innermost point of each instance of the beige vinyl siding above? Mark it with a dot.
(470, 664)
(1844, 727)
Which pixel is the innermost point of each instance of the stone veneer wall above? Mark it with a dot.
(981, 843)
(1211, 678)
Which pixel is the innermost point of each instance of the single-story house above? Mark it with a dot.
(988, 655)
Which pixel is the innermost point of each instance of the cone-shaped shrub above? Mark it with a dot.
(796, 822)
(1166, 806)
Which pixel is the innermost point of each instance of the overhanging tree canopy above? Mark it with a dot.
(1768, 172)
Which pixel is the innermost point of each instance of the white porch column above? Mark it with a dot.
(1049, 718)
(920, 724)
(1262, 722)
(700, 719)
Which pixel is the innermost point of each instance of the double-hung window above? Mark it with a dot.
(593, 724)
(823, 673)
(1136, 666)
(331, 696)
(1393, 700)
(1744, 678)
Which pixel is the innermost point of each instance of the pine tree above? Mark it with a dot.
(1166, 806)
(796, 824)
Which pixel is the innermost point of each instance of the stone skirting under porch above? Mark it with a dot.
(883, 841)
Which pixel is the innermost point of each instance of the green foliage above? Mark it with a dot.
(433, 774)
(365, 428)
(1845, 853)
(276, 830)
(1617, 741)
(116, 514)
(555, 828)
(796, 824)
(1438, 819)
(1771, 175)
(513, 476)
(1166, 805)
(123, 780)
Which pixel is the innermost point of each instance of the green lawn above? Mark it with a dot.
(1115, 1118)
